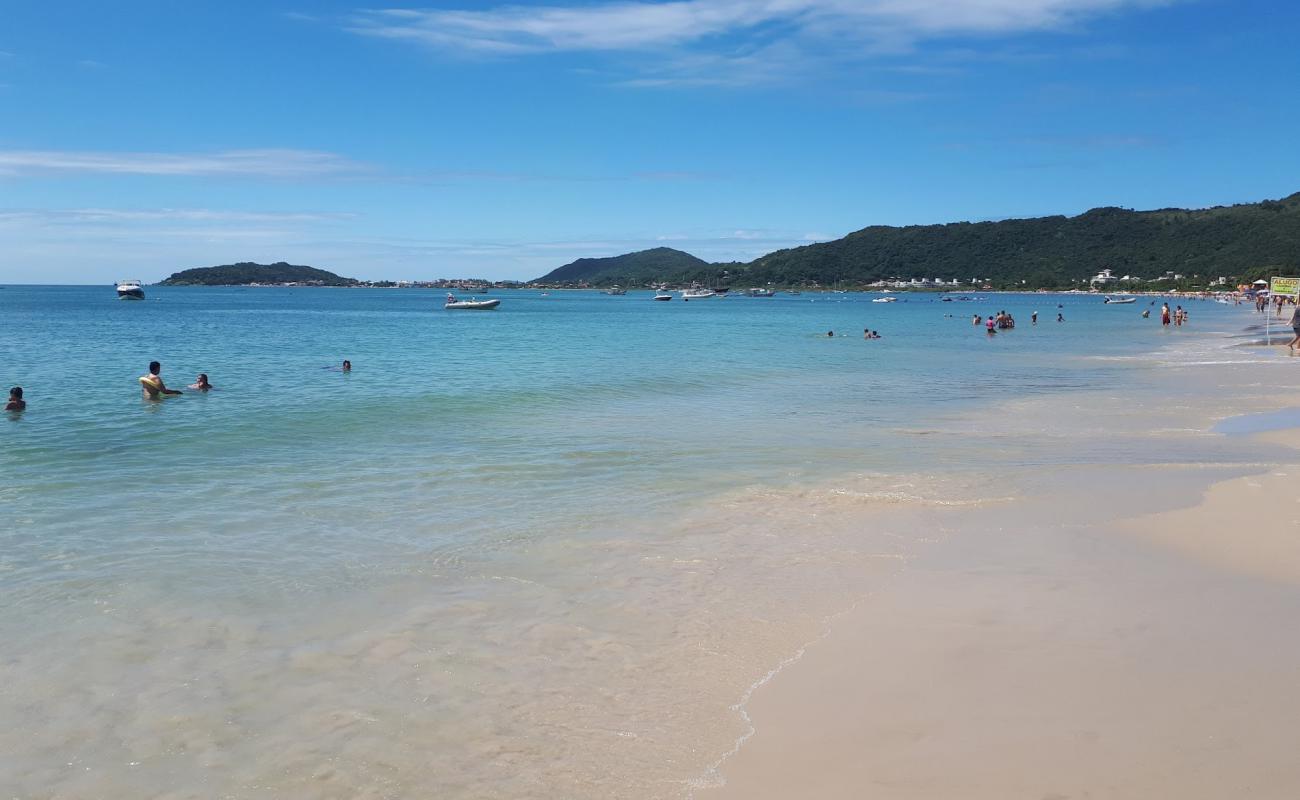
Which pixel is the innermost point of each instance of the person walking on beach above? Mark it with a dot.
(1295, 329)
(16, 401)
(152, 384)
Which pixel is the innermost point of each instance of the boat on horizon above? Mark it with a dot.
(130, 290)
(889, 299)
(472, 304)
(759, 291)
(1119, 301)
(698, 294)
(616, 290)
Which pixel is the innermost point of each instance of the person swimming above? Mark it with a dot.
(347, 365)
(830, 334)
(201, 383)
(16, 401)
(152, 384)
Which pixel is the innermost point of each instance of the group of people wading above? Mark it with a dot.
(1002, 322)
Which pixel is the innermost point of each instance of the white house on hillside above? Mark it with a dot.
(1102, 278)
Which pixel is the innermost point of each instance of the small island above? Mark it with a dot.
(247, 273)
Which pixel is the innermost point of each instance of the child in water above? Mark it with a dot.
(16, 401)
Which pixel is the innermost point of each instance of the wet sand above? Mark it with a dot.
(1030, 657)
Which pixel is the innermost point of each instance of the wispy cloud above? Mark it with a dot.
(295, 164)
(77, 216)
(726, 38)
(1100, 142)
(269, 163)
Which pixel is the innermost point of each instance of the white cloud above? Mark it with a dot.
(623, 26)
(93, 215)
(268, 163)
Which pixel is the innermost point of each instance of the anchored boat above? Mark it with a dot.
(472, 304)
(699, 294)
(130, 290)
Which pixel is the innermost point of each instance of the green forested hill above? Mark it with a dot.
(631, 268)
(1043, 252)
(247, 272)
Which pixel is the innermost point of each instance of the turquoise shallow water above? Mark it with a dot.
(485, 422)
(574, 490)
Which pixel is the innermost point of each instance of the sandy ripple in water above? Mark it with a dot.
(590, 668)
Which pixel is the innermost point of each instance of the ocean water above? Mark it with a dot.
(537, 552)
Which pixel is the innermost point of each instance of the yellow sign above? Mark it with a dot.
(1286, 286)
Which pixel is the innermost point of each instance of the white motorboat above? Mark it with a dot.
(759, 291)
(472, 304)
(885, 300)
(616, 290)
(698, 294)
(662, 295)
(1119, 301)
(130, 290)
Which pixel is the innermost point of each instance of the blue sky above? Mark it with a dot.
(460, 138)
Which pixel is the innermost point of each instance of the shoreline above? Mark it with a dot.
(619, 648)
(821, 725)
(1010, 669)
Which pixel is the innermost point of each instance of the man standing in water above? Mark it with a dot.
(152, 384)
(16, 401)
(1033, 318)
(1164, 314)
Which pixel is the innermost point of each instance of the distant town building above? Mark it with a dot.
(1102, 278)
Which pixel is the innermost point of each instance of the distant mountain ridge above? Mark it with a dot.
(631, 267)
(247, 272)
(1044, 252)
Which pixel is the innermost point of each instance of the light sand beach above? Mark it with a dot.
(1145, 656)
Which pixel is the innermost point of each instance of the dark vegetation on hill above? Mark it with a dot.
(1047, 252)
(247, 272)
(635, 268)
